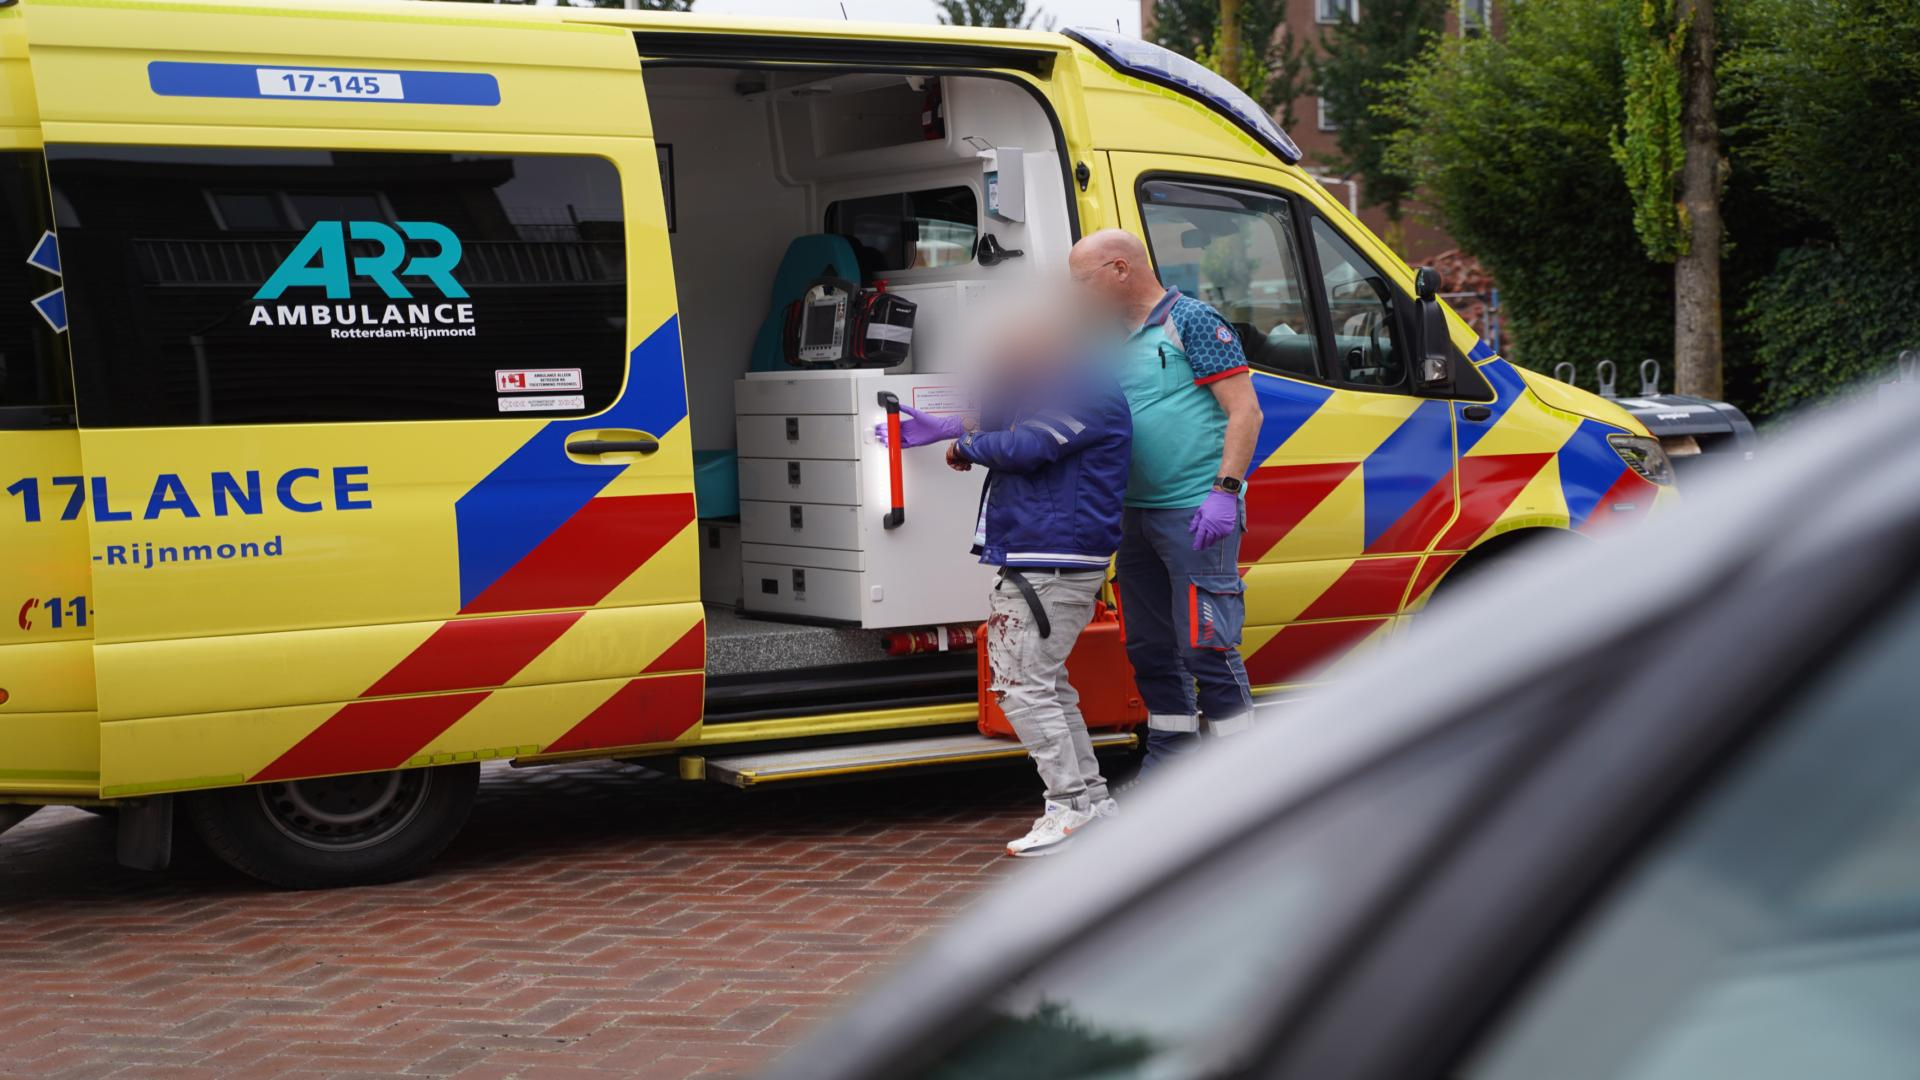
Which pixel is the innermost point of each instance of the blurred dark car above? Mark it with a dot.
(1668, 827)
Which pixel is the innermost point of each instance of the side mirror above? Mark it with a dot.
(1432, 343)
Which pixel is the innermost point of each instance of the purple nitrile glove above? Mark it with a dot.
(1215, 520)
(919, 429)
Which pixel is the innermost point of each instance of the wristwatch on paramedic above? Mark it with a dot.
(1229, 484)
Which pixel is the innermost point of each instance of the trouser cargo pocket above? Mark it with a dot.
(1216, 611)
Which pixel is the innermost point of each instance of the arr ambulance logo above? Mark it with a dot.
(321, 261)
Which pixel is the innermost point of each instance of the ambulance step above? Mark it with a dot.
(749, 770)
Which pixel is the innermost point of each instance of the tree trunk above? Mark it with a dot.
(1230, 40)
(1696, 275)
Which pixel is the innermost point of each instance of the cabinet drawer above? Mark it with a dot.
(799, 436)
(818, 394)
(800, 591)
(819, 525)
(805, 480)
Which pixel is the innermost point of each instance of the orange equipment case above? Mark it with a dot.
(1097, 667)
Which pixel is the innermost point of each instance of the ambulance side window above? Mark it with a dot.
(262, 286)
(1366, 331)
(1237, 251)
(36, 381)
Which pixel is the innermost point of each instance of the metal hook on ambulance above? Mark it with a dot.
(1649, 377)
(1564, 371)
(1606, 371)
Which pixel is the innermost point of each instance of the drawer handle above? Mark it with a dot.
(793, 473)
(794, 518)
(793, 429)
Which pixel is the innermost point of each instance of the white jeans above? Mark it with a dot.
(1030, 677)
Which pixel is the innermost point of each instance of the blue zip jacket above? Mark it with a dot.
(1059, 461)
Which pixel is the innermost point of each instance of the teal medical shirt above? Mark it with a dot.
(1179, 428)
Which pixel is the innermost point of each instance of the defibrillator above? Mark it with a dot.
(836, 323)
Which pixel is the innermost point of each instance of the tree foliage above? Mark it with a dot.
(1510, 138)
(1358, 61)
(1006, 14)
(1274, 66)
(1648, 145)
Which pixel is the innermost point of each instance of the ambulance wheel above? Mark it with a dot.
(338, 830)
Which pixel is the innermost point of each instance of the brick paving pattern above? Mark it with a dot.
(590, 922)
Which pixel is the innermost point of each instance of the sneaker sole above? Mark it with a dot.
(1037, 852)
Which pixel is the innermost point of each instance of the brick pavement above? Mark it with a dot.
(590, 922)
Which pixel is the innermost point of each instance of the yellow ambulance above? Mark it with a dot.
(391, 387)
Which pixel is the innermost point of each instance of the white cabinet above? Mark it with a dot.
(815, 490)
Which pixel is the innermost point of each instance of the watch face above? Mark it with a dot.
(1228, 484)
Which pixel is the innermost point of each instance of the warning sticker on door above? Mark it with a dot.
(525, 379)
(942, 399)
(543, 403)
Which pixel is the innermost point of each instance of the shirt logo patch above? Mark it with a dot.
(1225, 335)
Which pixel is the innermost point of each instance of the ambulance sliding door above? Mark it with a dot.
(1353, 475)
(386, 451)
(48, 740)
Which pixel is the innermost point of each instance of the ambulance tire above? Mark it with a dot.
(336, 831)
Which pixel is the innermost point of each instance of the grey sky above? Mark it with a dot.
(1066, 12)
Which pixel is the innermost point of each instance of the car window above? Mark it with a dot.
(36, 383)
(1237, 251)
(1776, 934)
(1360, 301)
(1184, 983)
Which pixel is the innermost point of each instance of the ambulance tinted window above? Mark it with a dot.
(1237, 251)
(914, 230)
(36, 388)
(239, 286)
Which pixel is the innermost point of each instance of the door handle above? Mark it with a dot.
(638, 443)
(1476, 412)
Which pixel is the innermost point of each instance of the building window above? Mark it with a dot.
(1325, 121)
(1333, 11)
(256, 286)
(1475, 17)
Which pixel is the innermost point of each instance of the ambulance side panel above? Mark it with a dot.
(49, 741)
(339, 546)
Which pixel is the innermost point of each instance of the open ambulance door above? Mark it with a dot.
(48, 741)
(385, 444)
(1353, 475)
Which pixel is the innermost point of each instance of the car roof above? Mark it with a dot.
(1558, 612)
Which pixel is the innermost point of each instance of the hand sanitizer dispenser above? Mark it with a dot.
(1005, 179)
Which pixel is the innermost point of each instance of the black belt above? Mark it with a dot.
(1033, 599)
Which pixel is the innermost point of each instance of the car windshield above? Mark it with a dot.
(1776, 935)
(1180, 984)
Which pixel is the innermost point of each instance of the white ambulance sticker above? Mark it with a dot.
(544, 403)
(522, 380)
(942, 399)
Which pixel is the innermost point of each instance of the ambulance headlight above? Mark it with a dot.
(1644, 456)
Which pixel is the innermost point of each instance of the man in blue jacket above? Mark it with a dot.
(1055, 436)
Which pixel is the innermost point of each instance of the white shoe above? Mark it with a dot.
(1050, 831)
(1103, 810)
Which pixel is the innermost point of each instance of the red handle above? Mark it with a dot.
(897, 514)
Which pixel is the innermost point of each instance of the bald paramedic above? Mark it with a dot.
(1195, 421)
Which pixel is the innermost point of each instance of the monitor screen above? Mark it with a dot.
(816, 329)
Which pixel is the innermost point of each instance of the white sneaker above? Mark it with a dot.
(1103, 810)
(1050, 831)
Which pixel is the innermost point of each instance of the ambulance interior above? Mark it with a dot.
(948, 192)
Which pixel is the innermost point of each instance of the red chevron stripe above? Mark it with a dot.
(1303, 648)
(1368, 587)
(473, 652)
(1632, 493)
(659, 708)
(367, 736)
(1415, 529)
(1279, 496)
(1430, 572)
(586, 558)
(687, 654)
(1488, 485)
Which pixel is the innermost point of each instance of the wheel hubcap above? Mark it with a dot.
(345, 813)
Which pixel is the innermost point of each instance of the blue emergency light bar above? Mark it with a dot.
(1145, 60)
